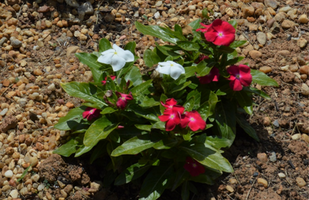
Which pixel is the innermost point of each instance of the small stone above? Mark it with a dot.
(281, 175)
(303, 19)
(229, 188)
(301, 61)
(37, 72)
(304, 89)
(44, 9)
(293, 68)
(271, 3)
(255, 54)
(287, 24)
(2, 41)
(276, 123)
(273, 157)
(94, 187)
(266, 121)
(232, 180)
(262, 181)
(296, 136)
(41, 187)
(4, 111)
(305, 138)
(262, 157)
(265, 69)
(14, 194)
(304, 69)
(261, 38)
(302, 42)
(300, 182)
(15, 42)
(35, 177)
(8, 174)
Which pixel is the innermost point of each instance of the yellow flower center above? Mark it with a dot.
(172, 116)
(192, 119)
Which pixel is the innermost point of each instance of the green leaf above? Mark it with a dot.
(91, 61)
(236, 44)
(190, 71)
(104, 45)
(156, 31)
(134, 146)
(98, 151)
(68, 148)
(151, 58)
(143, 127)
(131, 47)
(131, 173)
(185, 192)
(165, 143)
(179, 87)
(205, 13)
(207, 156)
(84, 91)
(24, 173)
(217, 142)
(82, 150)
(257, 91)
(262, 79)
(108, 110)
(233, 23)
(141, 88)
(149, 102)
(71, 120)
(247, 128)
(134, 75)
(98, 130)
(208, 107)
(226, 120)
(145, 113)
(156, 182)
(245, 101)
(195, 24)
(188, 46)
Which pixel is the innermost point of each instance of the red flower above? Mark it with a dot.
(172, 104)
(123, 99)
(201, 58)
(91, 113)
(193, 167)
(240, 76)
(219, 32)
(194, 120)
(112, 77)
(171, 117)
(212, 76)
(203, 30)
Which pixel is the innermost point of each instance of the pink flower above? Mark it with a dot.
(91, 113)
(123, 99)
(171, 117)
(193, 167)
(194, 120)
(201, 58)
(112, 77)
(172, 104)
(239, 76)
(219, 32)
(212, 76)
(203, 30)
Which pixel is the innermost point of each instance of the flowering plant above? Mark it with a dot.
(166, 126)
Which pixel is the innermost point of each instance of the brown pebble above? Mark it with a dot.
(300, 182)
(262, 181)
(37, 72)
(265, 69)
(262, 157)
(255, 54)
(69, 105)
(304, 69)
(6, 82)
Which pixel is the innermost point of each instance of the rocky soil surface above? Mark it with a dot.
(38, 40)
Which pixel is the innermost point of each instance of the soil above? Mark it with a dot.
(281, 123)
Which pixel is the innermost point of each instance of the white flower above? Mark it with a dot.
(170, 68)
(116, 57)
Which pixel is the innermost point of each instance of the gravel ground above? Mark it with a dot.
(38, 40)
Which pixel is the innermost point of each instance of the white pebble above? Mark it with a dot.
(41, 187)
(281, 175)
(8, 174)
(14, 194)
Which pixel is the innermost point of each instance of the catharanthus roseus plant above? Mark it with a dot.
(164, 128)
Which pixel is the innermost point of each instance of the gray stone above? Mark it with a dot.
(2, 41)
(261, 38)
(15, 42)
(271, 3)
(273, 157)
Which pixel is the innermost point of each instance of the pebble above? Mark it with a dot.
(15, 42)
(273, 157)
(304, 89)
(287, 24)
(276, 123)
(293, 68)
(14, 194)
(255, 54)
(262, 181)
(305, 138)
(262, 157)
(303, 19)
(4, 111)
(229, 188)
(281, 175)
(232, 180)
(271, 3)
(296, 136)
(300, 182)
(8, 174)
(261, 38)
(265, 69)
(2, 41)
(302, 42)
(304, 69)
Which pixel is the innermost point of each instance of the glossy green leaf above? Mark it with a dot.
(131, 173)
(188, 46)
(156, 182)
(245, 101)
(207, 156)
(156, 31)
(141, 88)
(217, 142)
(104, 45)
(145, 113)
(226, 120)
(134, 146)
(151, 58)
(84, 91)
(134, 75)
(165, 143)
(108, 110)
(247, 127)
(257, 91)
(195, 24)
(82, 150)
(68, 148)
(98, 130)
(236, 44)
(208, 107)
(91, 61)
(71, 120)
(130, 46)
(143, 127)
(262, 79)
(190, 71)
(233, 23)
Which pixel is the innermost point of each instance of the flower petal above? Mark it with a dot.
(236, 85)
(176, 71)
(211, 36)
(117, 63)
(233, 70)
(127, 55)
(106, 56)
(163, 70)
